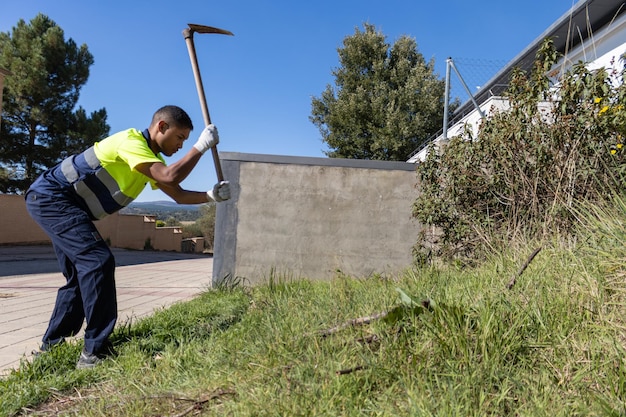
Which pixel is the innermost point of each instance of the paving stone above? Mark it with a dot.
(145, 281)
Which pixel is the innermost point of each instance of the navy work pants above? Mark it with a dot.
(89, 269)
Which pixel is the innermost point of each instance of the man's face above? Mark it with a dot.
(172, 138)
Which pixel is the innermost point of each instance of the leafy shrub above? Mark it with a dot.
(559, 142)
(206, 223)
(191, 230)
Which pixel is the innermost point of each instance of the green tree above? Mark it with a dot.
(386, 100)
(206, 223)
(172, 221)
(40, 123)
(191, 230)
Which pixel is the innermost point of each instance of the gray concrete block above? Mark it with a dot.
(314, 218)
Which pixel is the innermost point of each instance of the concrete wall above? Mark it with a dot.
(121, 231)
(139, 232)
(16, 225)
(314, 217)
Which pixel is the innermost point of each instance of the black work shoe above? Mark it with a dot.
(46, 347)
(88, 360)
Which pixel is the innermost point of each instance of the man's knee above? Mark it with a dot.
(106, 259)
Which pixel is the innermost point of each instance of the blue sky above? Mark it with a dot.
(259, 83)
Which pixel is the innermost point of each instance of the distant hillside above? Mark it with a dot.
(164, 210)
(162, 205)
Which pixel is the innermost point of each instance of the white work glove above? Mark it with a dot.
(220, 191)
(208, 139)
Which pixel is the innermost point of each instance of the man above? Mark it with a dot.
(66, 199)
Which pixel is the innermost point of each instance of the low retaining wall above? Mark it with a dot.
(120, 231)
(16, 225)
(314, 217)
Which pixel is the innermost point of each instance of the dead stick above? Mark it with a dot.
(365, 320)
(354, 322)
(369, 339)
(521, 270)
(187, 411)
(349, 370)
(199, 404)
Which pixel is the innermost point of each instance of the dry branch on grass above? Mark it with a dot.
(359, 321)
(368, 339)
(199, 404)
(523, 268)
(349, 370)
(354, 322)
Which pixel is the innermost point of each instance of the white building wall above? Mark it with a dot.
(470, 123)
(604, 49)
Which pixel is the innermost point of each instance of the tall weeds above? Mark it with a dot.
(604, 228)
(558, 143)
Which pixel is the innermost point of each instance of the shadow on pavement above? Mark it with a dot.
(24, 260)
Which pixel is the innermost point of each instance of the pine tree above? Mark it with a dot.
(386, 100)
(40, 123)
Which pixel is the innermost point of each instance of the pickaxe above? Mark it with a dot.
(188, 34)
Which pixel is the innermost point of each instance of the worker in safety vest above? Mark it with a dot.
(66, 199)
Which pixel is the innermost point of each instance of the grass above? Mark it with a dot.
(552, 345)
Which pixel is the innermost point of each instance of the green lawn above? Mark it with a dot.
(433, 341)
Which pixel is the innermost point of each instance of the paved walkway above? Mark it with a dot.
(30, 278)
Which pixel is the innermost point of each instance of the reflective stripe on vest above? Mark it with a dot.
(91, 199)
(97, 187)
(67, 166)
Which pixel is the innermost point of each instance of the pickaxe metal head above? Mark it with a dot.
(204, 29)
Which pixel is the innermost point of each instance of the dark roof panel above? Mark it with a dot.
(582, 20)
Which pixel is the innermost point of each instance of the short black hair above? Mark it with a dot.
(173, 115)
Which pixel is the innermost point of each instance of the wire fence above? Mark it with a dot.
(475, 72)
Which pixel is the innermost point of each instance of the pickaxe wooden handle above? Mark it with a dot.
(188, 35)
